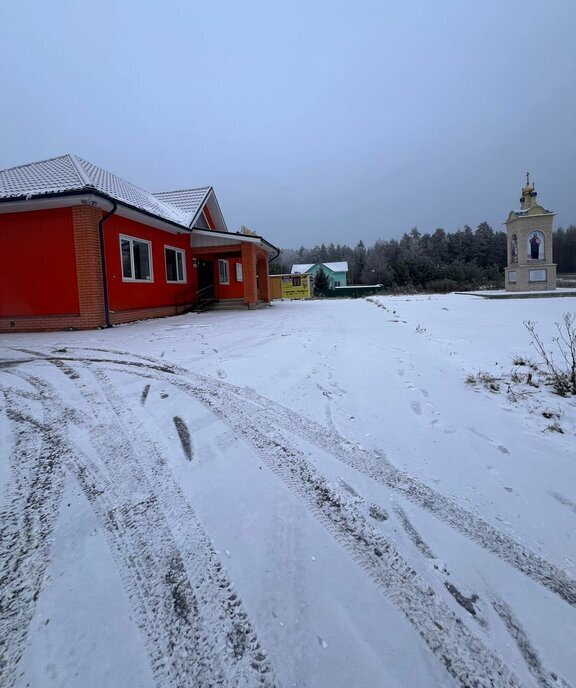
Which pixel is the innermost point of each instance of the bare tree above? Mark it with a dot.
(563, 371)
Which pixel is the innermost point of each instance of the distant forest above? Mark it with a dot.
(441, 261)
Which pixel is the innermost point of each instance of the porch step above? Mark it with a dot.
(228, 305)
(234, 305)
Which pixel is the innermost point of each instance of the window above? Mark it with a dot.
(223, 272)
(175, 264)
(337, 284)
(238, 268)
(136, 259)
(296, 281)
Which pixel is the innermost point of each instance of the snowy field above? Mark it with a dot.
(310, 495)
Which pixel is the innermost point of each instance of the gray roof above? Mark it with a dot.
(301, 268)
(188, 201)
(71, 173)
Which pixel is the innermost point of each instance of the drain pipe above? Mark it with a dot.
(101, 222)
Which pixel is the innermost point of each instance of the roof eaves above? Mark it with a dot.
(95, 192)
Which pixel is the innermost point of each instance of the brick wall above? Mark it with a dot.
(249, 274)
(117, 317)
(263, 277)
(88, 260)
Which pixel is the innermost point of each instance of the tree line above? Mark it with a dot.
(441, 261)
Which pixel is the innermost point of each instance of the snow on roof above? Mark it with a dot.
(187, 200)
(57, 174)
(341, 266)
(71, 173)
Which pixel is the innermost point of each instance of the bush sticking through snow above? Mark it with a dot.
(562, 369)
(486, 379)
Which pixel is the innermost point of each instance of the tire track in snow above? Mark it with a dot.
(545, 679)
(245, 413)
(379, 469)
(227, 634)
(449, 512)
(27, 518)
(195, 630)
(119, 517)
(464, 656)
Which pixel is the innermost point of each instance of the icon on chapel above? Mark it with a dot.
(535, 246)
(514, 251)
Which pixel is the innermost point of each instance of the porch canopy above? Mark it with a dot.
(251, 251)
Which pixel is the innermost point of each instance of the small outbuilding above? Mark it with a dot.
(291, 287)
(336, 272)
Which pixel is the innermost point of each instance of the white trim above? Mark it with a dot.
(23, 205)
(131, 239)
(40, 203)
(184, 279)
(200, 207)
(221, 263)
(238, 272)
(231, 236)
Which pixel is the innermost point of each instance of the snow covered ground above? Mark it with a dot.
(309, 495)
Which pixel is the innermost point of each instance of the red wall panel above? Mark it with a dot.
(157, 292)
(38, 263)
(234, 290)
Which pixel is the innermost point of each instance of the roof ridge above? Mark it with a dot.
(192, 188)
(140, 188)
(36, 162)
(78, 167)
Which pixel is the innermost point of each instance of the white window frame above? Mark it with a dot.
(182, 252)
(223, 271)
(131, 240)
(238, 272)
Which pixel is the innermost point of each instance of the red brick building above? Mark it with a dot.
(81, 248)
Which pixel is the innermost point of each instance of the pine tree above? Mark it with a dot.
(321, 283)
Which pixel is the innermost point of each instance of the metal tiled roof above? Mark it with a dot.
(47, 176)
(341, 266)
(71, 173)
(187, 200)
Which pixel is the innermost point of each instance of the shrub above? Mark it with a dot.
(562, 371)
(441, 286)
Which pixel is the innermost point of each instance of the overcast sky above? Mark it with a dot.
(314, 121)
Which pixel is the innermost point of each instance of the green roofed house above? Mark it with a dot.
(336, 272)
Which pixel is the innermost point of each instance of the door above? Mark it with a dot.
(205, 279)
